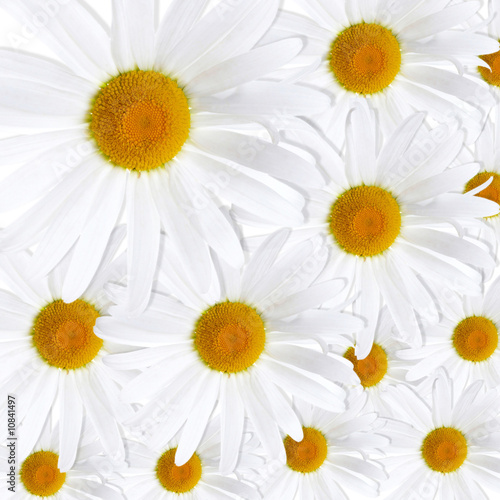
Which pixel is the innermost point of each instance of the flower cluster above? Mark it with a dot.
(250, 250)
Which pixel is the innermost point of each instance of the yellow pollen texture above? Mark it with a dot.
(491, 75)
(365, 58)
(492, 192)
(140, 120)
(475, 338)
(178, 479)
(307, 455)
(372, 369)
(40, 474)
(64, 334)
(230, 337)
(365, 220)
(444, 449)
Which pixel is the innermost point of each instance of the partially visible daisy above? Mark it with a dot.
(38, 475)
(381, 367)
(333, 456)
(489, 68)
(154, 474)
(239, 344)
(52, 358)
(487, 153)
(465, 342)
(446, 451)
(388, 215)
(157, 112)
(398, 55)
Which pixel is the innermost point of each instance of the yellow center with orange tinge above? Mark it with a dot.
(140, 120)
(372, 369)
(63, 334)
(40, 474)
(475, 338)
(365, 220)
(178, 479)
(230, 336)
(491, 75)
(365, 58)
(492, 192)
(307, 455)
(444, 449)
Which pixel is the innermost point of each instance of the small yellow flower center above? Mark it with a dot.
(444, 449)
(365, 220)
(492, 192)
(365, 58)
(64, 334)
(307, 455)
(230, 336)
(372, 369)
(475, 338)
(491, 75)
(178, 479)
(40, 474)
(140, 120)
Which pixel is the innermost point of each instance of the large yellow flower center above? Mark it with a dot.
(140, 120)
(365, 58)
(444, 449)
(475, 338)
(178, 479)
(40, 474)
(372, 369)
(64, 334)
(307, 455)
(492, 192)
(365, 220)
(491, 75)
(230, 336)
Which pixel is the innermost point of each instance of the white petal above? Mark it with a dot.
(93, 241)
(232, 421)
(143, 243)
(197, 421)
(133, 34)
(244, 68)
(70, 421)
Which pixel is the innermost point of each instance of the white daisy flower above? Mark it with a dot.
(387, 215)
(150, 108)
(39, 476)
(381, 368)
(326, 463)
(52, 358)
(399, 55)
(465, 341)
(154, 474)
(242, 344)
(447, 452)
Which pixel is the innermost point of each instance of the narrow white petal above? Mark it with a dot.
(143, 243)
(70, 421)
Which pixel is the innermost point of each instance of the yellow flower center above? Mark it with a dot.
(475, 338)
(178, 479)
(365, 58)
(40, 474)
(372, 369)
(230, 337)
(307, 455)
(491, 75)
(365, 220)
(492, 192)
(64, 334)
(444, 449)
(140, 120)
